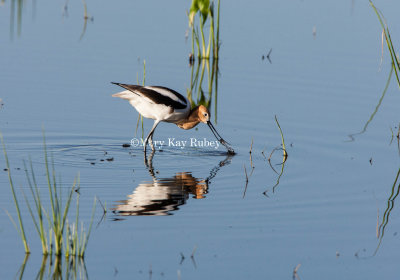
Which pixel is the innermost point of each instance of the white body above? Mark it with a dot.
(148, 109)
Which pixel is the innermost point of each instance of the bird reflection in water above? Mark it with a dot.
(162, 196)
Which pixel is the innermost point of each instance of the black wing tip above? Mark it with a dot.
(127, 86)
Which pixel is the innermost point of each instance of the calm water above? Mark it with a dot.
(322, 212)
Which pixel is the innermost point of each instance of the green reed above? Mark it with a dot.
(77, 238)
(20, 229)
(385, 30)
(285, 155)
(205, 11)
(140, 117)
(54, 231)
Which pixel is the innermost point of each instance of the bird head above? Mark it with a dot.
(203, 114)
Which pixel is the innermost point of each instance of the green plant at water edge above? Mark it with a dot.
(205, 10)
(385, 31)
(21, 225)
(76, 245)
(57, 234)
(285, 156)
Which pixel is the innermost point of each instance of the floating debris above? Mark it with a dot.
(295, 270)
(267, 56)
(182, 258)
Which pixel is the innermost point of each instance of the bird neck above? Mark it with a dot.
(191, 121)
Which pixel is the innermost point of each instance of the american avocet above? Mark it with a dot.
(166, 105)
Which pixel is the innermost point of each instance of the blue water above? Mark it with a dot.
(332, 194)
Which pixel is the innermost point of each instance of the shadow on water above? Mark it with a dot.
(162, 196)
(56, 267)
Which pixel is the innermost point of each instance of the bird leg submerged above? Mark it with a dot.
(149, 138)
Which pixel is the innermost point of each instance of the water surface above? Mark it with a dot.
(326, 208)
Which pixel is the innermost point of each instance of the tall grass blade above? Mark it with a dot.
(140, 117)
(21, 225)
(60, 235)
(393, 56)
(285, 155)
(38, 206)
(216, 49)
(86, 238)
(49, 184)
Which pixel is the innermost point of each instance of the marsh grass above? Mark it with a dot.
(20, 228)
(54, 231)
(205, 11)
(285, 156)
(386, 34)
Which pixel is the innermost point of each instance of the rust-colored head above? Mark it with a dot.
(203, 114)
